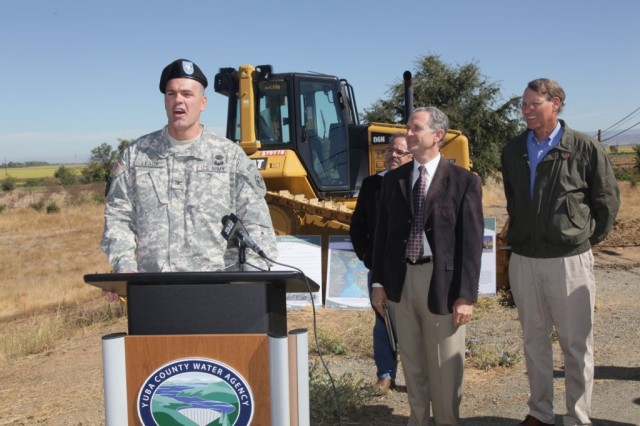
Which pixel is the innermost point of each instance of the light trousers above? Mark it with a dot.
(560, 293)
(431, 351)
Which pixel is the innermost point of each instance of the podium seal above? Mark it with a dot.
(202, 390)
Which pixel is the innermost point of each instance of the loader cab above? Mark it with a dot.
(307, 113)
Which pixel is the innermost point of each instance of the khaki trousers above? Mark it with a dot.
(431, 351)
(560, 293)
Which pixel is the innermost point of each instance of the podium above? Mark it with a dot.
(206, 348)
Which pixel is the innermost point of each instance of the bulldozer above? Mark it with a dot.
(304, 133)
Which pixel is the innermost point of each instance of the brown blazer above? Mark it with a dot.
(454, 225)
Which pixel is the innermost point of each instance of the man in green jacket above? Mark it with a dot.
(562, 198)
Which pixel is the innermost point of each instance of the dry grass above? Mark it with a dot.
(45, 257)
(629, 209)
(41, 332)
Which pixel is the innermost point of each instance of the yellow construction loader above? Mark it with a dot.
(304, 133)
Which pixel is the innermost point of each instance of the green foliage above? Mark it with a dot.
(15, 165)
(37, 205)
(52, 207)
(65, 176)
(350, 393)
(3, 208)
(98, 198)
(92, 173)
(101, 162)
(473, 104)
(329, 343)
(486, 357)
(9, 184)
(34, 182)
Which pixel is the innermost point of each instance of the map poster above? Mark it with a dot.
(346, 276)
(488, 261)
(305, 253)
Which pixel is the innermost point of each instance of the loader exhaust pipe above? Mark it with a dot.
(408, 95)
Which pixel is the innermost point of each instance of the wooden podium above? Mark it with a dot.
(210, 347)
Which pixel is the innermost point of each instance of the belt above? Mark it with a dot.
(420, 261)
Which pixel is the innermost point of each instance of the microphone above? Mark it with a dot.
(232, 227)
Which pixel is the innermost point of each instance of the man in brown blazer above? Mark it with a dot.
(427, 270)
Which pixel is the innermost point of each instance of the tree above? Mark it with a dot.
(65, 176)
(474, 106)
(101, 162)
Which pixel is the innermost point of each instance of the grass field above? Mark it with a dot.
(38, 172)
(623, 150)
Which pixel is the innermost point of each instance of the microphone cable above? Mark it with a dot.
(226, 234)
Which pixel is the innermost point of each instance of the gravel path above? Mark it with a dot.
(499, 396)
(616, 396)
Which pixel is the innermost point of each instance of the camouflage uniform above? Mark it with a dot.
(165, 205)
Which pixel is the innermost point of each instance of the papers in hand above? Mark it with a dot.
(390, 333)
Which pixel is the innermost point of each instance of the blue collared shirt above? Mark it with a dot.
(538, 149)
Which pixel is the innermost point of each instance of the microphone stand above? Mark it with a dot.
(242, 255)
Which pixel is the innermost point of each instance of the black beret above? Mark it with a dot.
(181, 68)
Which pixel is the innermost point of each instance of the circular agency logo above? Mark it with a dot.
(204, 391)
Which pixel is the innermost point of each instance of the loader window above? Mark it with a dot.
(325, 132)
(273, 120)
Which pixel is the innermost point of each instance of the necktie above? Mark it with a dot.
(415, 246)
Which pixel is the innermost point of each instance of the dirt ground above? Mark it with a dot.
(63, 385)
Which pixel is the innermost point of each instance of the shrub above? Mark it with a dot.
(329, 343)
(486, 357)
(3, 208)
(329, 399)
(98, 198)
(37, 205)
(53, 208)
(65, 175)
(9, 184)
(34, 182)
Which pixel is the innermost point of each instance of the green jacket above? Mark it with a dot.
(575, 202)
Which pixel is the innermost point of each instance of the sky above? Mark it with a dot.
(80, 73)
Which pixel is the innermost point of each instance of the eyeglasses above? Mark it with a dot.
(398, 152)
(534, 104)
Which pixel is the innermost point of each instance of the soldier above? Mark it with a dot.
(170, 189)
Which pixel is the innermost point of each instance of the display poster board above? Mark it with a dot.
(346, 276)
(488, 262)
(305, 253)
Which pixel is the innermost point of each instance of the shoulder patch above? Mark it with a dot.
(118, 168)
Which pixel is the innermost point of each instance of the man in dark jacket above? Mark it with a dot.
(562, 198)
(426, 266)
(363, 225)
